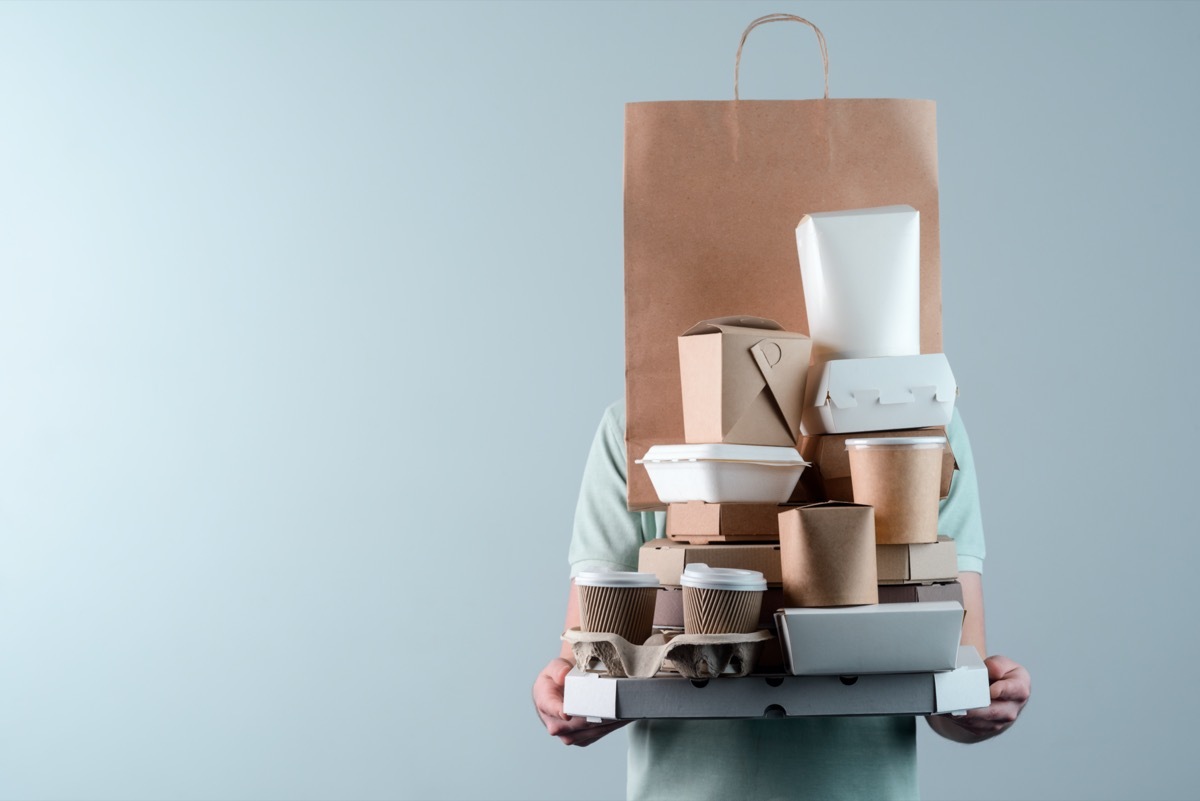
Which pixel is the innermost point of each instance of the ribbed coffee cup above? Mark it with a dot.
(618, 602)
(721, 600)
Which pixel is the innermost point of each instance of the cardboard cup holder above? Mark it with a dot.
(693, 656)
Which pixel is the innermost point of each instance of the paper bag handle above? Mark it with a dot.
(737, 62)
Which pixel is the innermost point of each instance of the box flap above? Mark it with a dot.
(739, 324)
(847, 383)
(786, 391)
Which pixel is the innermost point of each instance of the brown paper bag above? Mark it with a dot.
(714, 191)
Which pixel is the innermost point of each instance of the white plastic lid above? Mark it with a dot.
(701, 576)
(770, 455)
(615, 578)
(896, 442)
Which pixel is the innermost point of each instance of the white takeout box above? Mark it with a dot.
(861, 270)
(723, 473)
(884, 638)
(880, 394)
(945, 692)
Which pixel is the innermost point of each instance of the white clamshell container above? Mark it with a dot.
(723, 473)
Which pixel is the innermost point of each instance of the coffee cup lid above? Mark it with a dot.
(701, 576)
(615, 578)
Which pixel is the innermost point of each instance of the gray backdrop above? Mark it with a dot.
(308, 313)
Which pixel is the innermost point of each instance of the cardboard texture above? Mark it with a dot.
(852, 395)
(827, 555)
(667, 559)
(947, 692)
(694, 656)
(669, 611)
(743, 381)
(831, 462)
(625, 611)
(698, 522)
(917, 564)
(902, 484)
(708, 610)
(887, 638)
(713, 193)
(862, 281)
(920, 593)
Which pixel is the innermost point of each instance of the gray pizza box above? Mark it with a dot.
(599, 697)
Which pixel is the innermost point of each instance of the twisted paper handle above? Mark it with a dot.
(737, 64)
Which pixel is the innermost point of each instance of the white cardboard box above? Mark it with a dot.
(955, 691)
(851, 395)
(882, 638)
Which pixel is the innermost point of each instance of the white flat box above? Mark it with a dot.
(882, 638)
(955, 691)
(847, 396)
(723, 473)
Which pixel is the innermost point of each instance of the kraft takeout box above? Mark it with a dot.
(853, 395)
(827, 554)
(920, 593)
(743, 381)
(697, 522)
(885, 638)
(828, 455)
(667, 559)
(955, 691)
(919, 563)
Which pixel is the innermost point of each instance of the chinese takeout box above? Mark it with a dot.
(743, 381)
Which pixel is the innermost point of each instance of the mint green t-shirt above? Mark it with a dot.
(790, 758)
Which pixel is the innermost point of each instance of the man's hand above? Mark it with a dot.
(1010, 688)
(548, 698)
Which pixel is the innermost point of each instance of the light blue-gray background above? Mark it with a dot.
(308, 313)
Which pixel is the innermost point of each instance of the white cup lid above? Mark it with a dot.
(615, 578)
(896, 442)
(701, 576)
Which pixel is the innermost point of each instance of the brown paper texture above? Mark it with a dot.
(743, 381)
(917, 564)
(667, 559)
(832, 462)
(827, 554)
(902, 484)
(698, 522)
(625, 611)
(713, 193)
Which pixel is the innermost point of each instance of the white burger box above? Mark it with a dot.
(852, 395)
(598, 697)
(723, 473)
(880, 638)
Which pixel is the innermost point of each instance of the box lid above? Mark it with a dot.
(723, 452)
(877, 394)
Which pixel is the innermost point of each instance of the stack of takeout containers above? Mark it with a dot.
(742, 380)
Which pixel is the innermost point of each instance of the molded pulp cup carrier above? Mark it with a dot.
(618, 602)
(721, 600)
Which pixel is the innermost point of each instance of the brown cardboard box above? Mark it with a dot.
(827, 553)
(667, 559)
(917, 564)
(828, 455)
(743, 381)
(668, 612)
(698, 522)
(920, 593)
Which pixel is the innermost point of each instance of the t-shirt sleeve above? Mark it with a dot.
(606, 533)
(959, 515)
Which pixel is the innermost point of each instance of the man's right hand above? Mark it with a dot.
(548, 698)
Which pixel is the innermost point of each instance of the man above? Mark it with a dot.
(863, 757)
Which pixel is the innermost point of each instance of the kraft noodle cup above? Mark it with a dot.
(721, 600)
(902, 478)
(618, 602)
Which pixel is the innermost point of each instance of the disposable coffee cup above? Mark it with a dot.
(618, 602)
(902, 478)
(721, 600)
